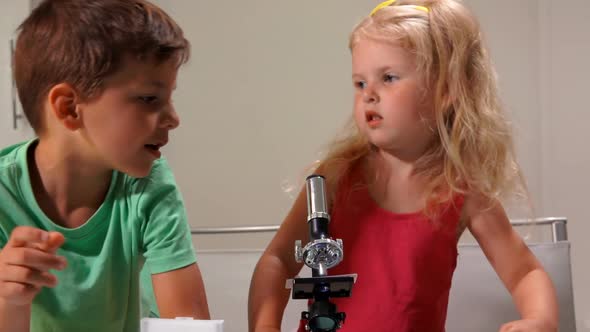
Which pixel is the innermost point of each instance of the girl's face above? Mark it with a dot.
(391, 104)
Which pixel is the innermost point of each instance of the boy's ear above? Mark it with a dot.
(63, 101)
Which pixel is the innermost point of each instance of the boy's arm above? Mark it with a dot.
(168, 248)
(522, 274)
(24, 264)
(181, 293)
(14, 318)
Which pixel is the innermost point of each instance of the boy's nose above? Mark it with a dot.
(171, 120)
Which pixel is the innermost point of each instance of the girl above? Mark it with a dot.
(430, 154)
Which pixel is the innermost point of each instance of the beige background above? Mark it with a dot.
(269, 84)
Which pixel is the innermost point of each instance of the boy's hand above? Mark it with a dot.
(527, 325)
(25, 262)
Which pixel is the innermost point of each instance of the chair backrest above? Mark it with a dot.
(479, 301)
(227, 275)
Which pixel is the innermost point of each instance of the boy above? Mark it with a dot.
(87, 202)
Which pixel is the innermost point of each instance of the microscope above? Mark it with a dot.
(320, 254)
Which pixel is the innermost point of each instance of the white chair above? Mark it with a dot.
(227, 275)
(478, 300)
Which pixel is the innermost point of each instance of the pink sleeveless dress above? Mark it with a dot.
(404, 262)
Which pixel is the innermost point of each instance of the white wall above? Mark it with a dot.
(11, 16)
(564, 133)
(269, 85)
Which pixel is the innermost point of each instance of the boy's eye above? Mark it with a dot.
(148, 99)
(390, 78)
(360, 84)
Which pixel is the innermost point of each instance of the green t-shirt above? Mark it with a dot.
(140, 220)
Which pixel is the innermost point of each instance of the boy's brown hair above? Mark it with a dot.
(82, 42)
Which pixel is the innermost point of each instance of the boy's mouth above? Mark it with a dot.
(157, 144)
(154, 149)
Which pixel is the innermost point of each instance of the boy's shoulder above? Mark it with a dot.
(13, 166)
(9, 155)
(161, 174)
(148, 190)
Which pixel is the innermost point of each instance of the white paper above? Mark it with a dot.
(180, 325)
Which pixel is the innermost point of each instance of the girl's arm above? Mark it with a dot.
(268, 296)
(522, 274)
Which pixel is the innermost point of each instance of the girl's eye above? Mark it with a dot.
(390, 78)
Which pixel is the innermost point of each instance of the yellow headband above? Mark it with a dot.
(390, 2)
